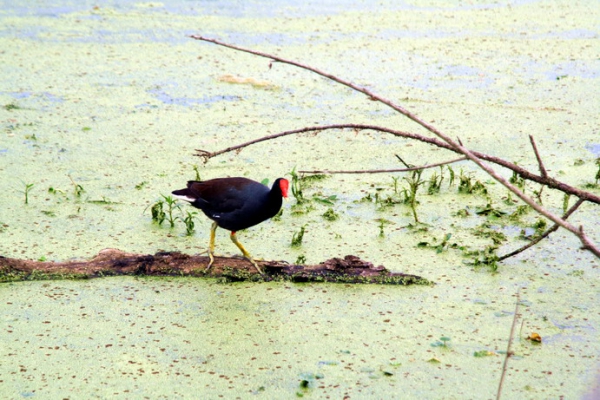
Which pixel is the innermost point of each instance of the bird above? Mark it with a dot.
(234, 204)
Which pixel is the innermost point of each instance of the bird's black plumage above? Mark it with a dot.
(235, 203)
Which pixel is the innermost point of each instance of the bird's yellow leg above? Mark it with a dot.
(211, 246)
(245, 252)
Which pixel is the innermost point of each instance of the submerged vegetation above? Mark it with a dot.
(495, 226)
(164, 209)
(298, 237)
(516, 184)
(78, 190)
(28, 187)
(11, 106)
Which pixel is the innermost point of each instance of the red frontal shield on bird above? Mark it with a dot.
(284, 185)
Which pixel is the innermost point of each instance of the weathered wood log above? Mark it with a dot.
(108, 262)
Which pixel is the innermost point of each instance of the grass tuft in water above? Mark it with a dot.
(467, 185)
(439, 247)
(28, 187)
(518, 181)
(382, 223)
(163, 210)
(298, 237)
(189, 222)
(11, 106)
(197, 178)
(77, 188)
(435, 182)
(330, 215)
(443, 342)
(486, 257)
(414, 182)
(296, 187)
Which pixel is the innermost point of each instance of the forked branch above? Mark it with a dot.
(538, 157)
(454, 145)
(522, 172)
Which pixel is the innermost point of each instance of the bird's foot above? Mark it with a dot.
(252, 260)
(210, 263)
(255, 265)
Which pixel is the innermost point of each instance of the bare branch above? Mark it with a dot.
(207, 155)
(587, 243)
(522, 172)
(539, 159)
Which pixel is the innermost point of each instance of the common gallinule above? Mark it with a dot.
(234, 204)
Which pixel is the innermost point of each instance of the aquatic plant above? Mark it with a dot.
(414, 182)
(28, 187)
(77, 188)
(298, 237)
(189, 222)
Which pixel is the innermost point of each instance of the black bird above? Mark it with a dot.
(234, 204)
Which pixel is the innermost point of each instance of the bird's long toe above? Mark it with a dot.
(255, 265)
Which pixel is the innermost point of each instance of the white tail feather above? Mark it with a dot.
(184, 198)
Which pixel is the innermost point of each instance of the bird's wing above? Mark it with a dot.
(215, 197)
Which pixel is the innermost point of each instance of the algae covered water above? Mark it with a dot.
(103, 106)
(159, 338)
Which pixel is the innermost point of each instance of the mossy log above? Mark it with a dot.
(109, 262)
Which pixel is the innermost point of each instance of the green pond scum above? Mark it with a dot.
(103, 107)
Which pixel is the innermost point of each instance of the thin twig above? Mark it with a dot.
(508, 347)
(539, 159)
(544, 235)
(587, 243)
(538, 194)
(402, 161)
(379, 171)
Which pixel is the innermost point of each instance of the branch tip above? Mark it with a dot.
(543, 171)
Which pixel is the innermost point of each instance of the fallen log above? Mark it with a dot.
(110, 262)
